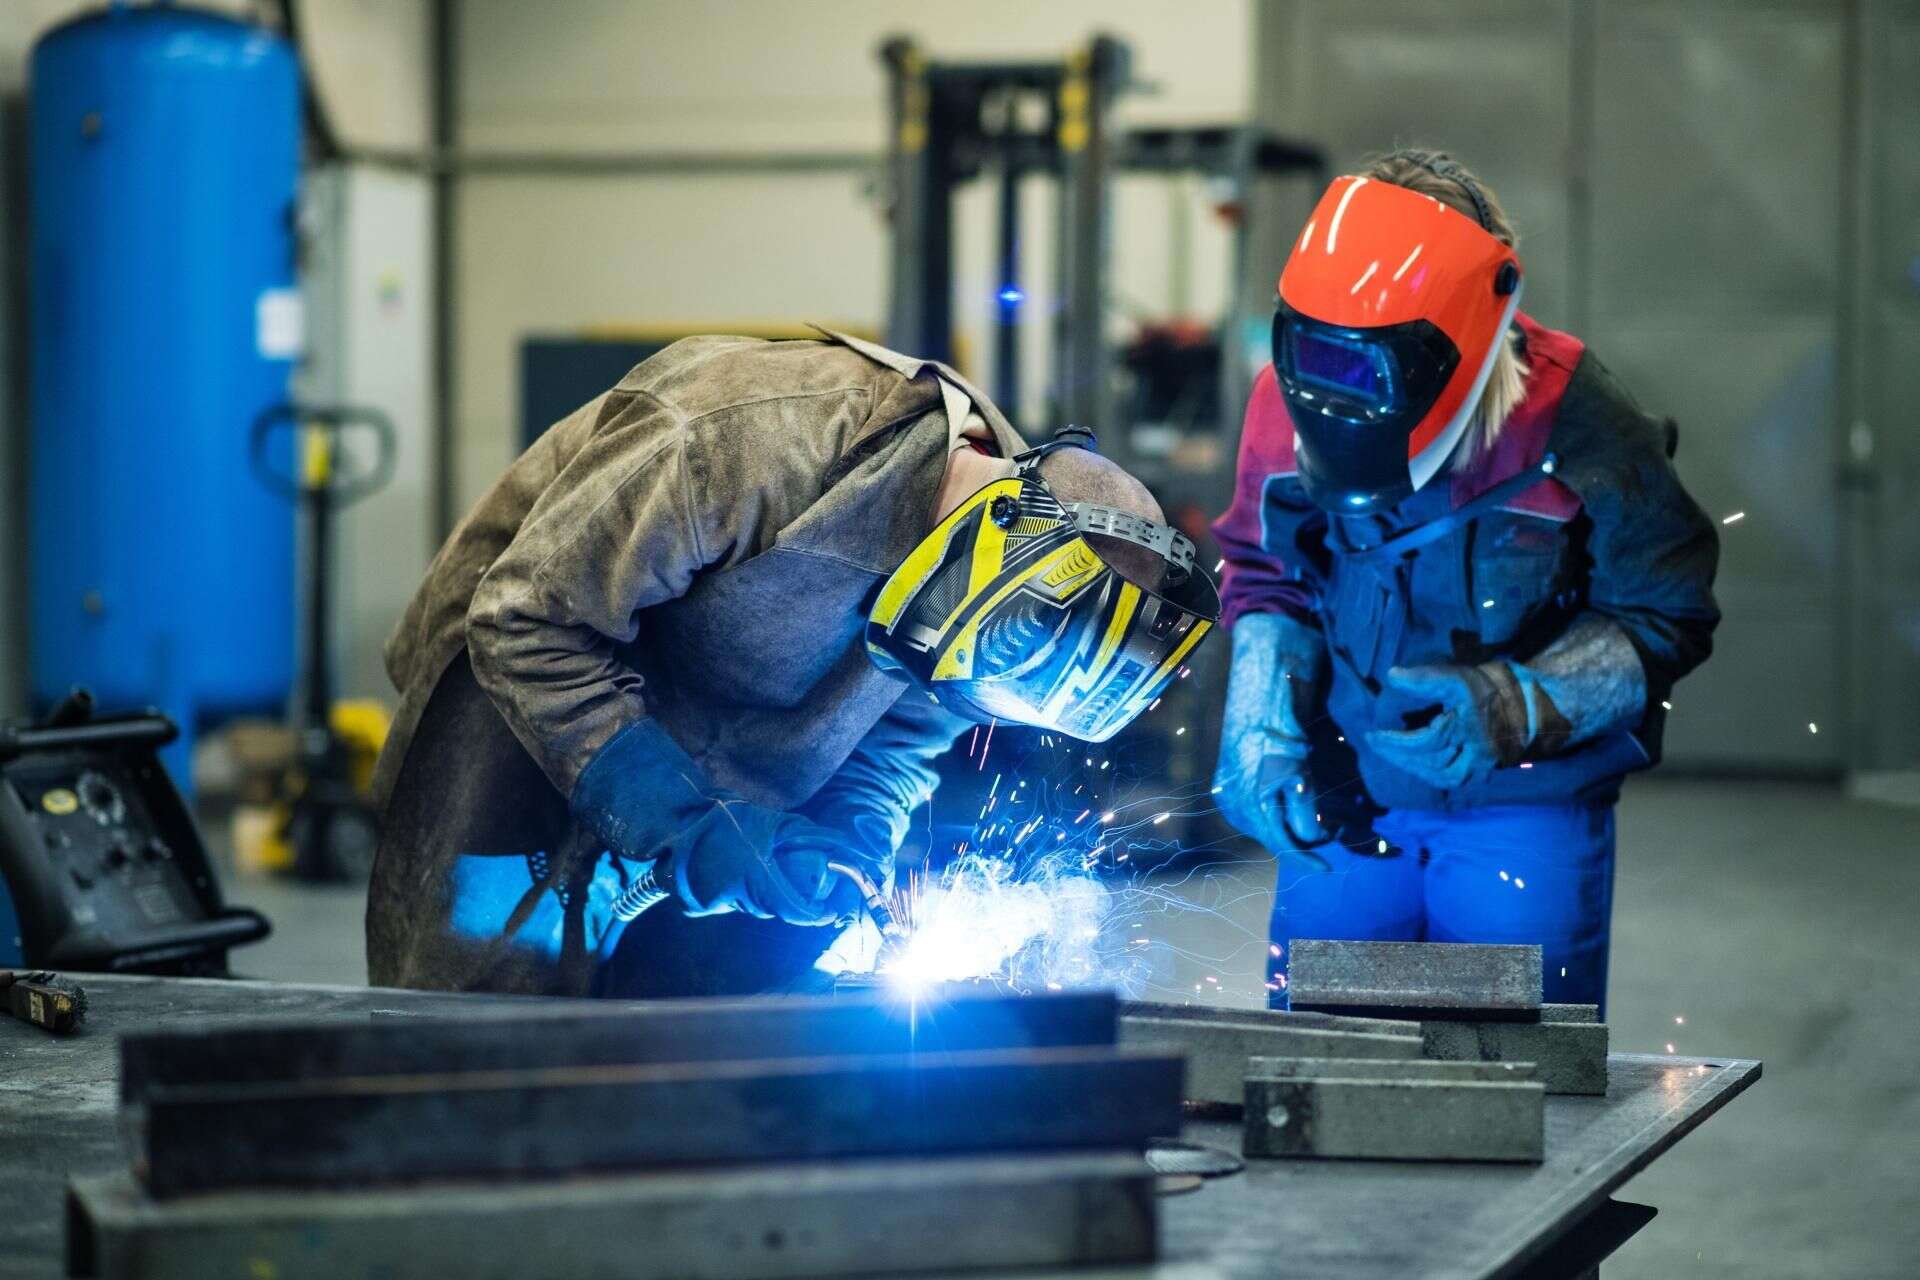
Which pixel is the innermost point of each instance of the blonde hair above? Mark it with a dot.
(1439, 175)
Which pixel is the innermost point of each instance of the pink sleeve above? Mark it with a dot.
(1255, 579)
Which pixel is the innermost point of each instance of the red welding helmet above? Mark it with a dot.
(1392, 307)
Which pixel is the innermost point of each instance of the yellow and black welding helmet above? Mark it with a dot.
(1009, 611)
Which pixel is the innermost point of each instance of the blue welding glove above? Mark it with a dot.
(1262, 782)
(868, 801)
(648, 800)
(1473, 721)
(1587, 683)
(869, 831)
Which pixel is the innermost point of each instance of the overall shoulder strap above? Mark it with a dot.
(1420, 535)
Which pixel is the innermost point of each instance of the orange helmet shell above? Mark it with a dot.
(1375, 255)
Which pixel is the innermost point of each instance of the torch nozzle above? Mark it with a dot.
(874, 900)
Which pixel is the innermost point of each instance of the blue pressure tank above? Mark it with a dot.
(164, 154)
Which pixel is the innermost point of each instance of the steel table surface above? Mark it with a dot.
(58, 1117)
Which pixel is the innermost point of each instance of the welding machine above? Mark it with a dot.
(101, 867)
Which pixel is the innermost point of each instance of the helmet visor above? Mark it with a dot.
(1352, 374)
(1355, 397)
(1031, 620)
(1086, 666)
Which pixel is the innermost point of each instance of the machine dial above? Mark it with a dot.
(101, 799)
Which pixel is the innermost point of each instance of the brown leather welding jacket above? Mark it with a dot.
(700, 545)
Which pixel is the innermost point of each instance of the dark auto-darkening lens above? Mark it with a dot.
(1349, 369)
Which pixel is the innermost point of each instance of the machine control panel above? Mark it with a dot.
(105, 845)
(101, 865)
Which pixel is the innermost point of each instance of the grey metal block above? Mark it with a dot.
(893, 1217)
(1389, 1069)
(1218, 1052)
(1415, 979)
(1304, 1019)
(1570, 1013)
(536, 1034)
(564, 1121)
(1568, 1045)
(1366, 1110)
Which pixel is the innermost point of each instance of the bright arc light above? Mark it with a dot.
(978, 921)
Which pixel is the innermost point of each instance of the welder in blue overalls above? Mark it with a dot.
(1462, 580)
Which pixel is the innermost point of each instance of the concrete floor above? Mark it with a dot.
(1782, 922)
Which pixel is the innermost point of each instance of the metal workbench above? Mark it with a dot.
(1280, 1218)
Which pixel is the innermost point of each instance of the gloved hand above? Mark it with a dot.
(1262, 782)
(1478, 724)
(648, 800)
(1587, 683)
(869, 824)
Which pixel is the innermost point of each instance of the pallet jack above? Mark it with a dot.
(342, 455)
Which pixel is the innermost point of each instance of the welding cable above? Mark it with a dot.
(874, 900)
(642, 893)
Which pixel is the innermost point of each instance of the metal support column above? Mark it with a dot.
(1082, 390)
(920, 314)
(1009, 295)
(445, 137)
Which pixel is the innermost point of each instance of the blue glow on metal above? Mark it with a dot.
(1048, 888)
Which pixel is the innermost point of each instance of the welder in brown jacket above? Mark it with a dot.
(699, 641)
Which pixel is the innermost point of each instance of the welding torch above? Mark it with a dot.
(647, 888)
(891, 934)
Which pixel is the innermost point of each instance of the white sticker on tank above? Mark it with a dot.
(280, 324)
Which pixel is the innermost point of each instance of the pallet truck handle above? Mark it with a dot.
(341, 488)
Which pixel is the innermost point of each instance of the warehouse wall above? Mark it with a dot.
(544, 253)
(1719, 197)
(371, 63)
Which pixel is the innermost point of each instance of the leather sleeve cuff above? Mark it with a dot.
(1509, 724)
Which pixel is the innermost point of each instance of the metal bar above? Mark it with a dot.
(316, 504)
(539, 1035)
(1218, 1052)
(1568, 1045)
(565, 1121)
(1395, 1119)
(888, 1217)
(122, 731)
(1149, 154)
(1008, 295)
(1299, 1019)
(1082, 391)
(623, 164)
(1389, 1069)
(445, 136)
(1416, 979)
(919, 207)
